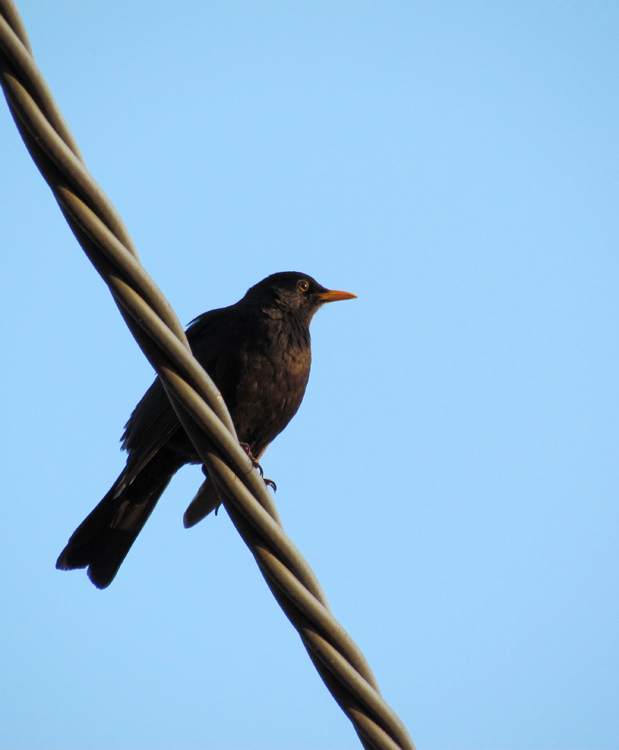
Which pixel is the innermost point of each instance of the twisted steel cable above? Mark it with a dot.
(200, 407)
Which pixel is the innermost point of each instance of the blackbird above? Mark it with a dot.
(258, 354)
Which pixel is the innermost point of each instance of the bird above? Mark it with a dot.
(258, 353)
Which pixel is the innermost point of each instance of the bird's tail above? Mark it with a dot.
(103, 539)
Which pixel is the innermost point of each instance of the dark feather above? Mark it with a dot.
(258, 354)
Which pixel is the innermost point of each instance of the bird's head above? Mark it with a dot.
(291, 293)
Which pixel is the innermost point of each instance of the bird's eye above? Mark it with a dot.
(303, 285)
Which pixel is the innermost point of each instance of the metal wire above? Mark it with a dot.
(200, 407)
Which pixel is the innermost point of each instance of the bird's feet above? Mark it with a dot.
(256, 465)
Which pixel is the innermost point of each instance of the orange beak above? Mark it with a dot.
(335, 296)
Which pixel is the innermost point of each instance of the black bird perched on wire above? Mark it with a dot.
(258, 354)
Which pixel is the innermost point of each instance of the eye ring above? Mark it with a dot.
(303, 285)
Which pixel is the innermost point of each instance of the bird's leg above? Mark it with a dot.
(256, 465)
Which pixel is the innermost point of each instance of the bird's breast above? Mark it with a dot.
(271, 387)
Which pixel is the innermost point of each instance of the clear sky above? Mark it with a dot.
(452, 474)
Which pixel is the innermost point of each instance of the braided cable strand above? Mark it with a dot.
(156, 328)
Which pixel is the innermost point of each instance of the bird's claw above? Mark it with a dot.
(250, 455)
(256, 465)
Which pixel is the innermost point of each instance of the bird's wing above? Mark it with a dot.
(154, 421)
(150, 426)
(205, 501)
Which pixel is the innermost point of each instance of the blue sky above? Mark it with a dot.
(452, 473)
